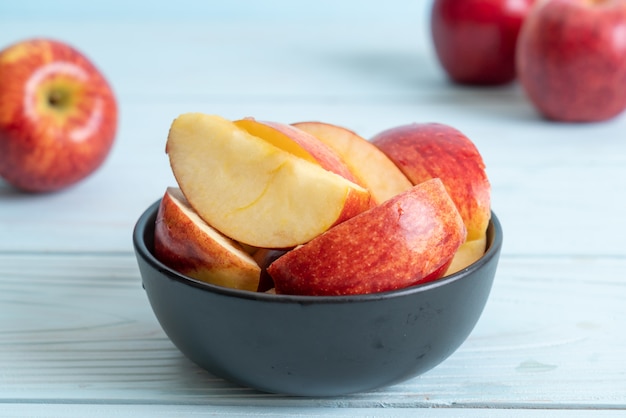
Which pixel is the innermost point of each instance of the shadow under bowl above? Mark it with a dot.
(315, 345)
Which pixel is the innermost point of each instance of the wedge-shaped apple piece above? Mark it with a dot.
(372, 168)
(253, 191)
(185, 243)
(467, 254)
(429, 150)
(299, 143)
(408, 239)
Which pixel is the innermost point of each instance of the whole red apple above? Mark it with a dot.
(475, 40)
(58, 115)
(571, 59)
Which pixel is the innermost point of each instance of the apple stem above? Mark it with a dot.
(56, 98)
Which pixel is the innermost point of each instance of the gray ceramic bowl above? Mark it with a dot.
(315, 345)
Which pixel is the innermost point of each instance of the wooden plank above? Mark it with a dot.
(77, 328)
(183, 411)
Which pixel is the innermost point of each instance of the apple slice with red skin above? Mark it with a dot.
(408, 239)
(432, 150)
(58, 115)
(187, 244)
(373, 169)
(297, 142)
(253, 191)
(571, 59)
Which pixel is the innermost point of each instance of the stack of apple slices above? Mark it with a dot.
(314, 209)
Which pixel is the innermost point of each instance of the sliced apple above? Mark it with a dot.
(187, 244)
(372, 168)
(467, 254)
(253, 191)
(299, 143)
(429, 150)
(408, 239)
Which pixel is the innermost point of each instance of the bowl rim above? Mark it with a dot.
(145, 223)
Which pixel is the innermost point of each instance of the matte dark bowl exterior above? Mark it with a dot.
(315, 345)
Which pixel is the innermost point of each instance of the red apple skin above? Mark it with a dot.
(372, 168)
(406, 240)
(58, 115)
(433, 150)
(571, 59)
(475, 40)
(185, 243)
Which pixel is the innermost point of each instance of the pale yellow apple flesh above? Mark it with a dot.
(408, 239)
(187, 244)
(467, 254)
(298, 143)
(372, 168)
(253, 191)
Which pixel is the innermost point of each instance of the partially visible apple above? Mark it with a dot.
(187, 244)
(571, 59)
(475, 40)
(432, 150)
(299, 143)
(408, 239)
(58, 115)
(253, 191)
(373, 169)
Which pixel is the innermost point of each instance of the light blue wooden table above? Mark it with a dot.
(77, 336)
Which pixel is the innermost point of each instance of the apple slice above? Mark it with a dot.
(299, 143)
(467, 254)
(253, 191)
(372, 168)
(429, 150)
(185, 243)
(408, 239)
